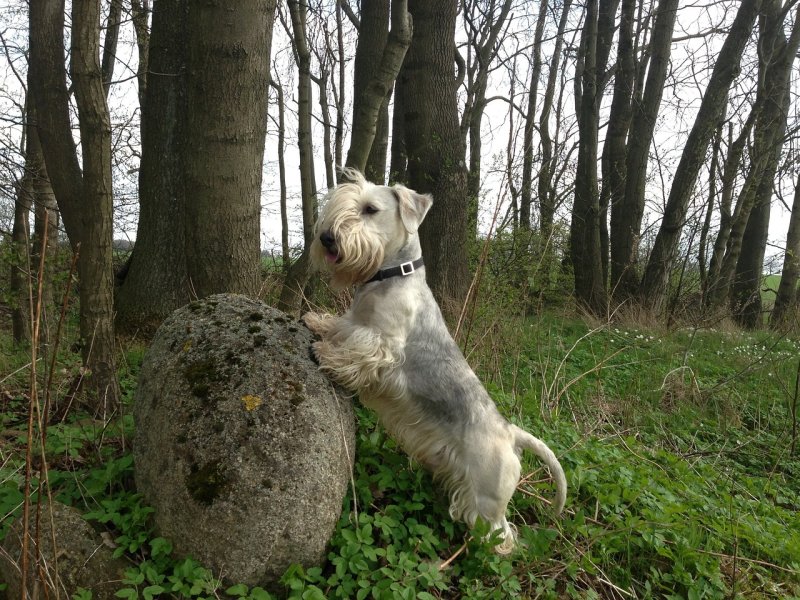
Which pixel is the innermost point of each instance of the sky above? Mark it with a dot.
(677, 116)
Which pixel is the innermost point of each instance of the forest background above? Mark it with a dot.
(627, 158)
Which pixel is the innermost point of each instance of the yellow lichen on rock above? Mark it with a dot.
(251, 402)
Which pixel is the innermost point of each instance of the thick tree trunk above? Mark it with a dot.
(157, 281)
(614, 149)
(435, 147)
(655, 282)
(203, 129)
(226, 113)
(786, 300)
(373, 80)
(627, 205)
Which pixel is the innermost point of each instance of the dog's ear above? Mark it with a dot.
(413, 207)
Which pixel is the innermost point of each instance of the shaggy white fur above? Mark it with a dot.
(393, 348)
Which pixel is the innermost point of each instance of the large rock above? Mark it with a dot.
(242, 447)
(80, 559)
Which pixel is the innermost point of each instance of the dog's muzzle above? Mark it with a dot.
(329, 243)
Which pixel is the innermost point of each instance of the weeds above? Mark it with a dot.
(678, 446)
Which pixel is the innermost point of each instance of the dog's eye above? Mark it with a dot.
(370, 210)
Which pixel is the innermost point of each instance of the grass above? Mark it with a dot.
(677, 447)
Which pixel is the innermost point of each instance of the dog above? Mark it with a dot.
(392, 347)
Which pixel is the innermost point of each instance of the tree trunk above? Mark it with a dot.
(398, 164)
(727, 183)
(322, 84)
(157, 280)
(84, 197)
(285, 251)
(45, 232)
(372, 83)
(627, 205)
(110, 43)
(585, 242)
(530, 120)
(226, 114)
(139, 16)
(483, 39)
(713, 171)
(746, 239)
(435, 147)
(547, 195)
(203, 129)
(786, 300)
(653, 288)
(299, 272)
(19, 277)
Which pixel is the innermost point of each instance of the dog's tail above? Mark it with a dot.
(523, 439)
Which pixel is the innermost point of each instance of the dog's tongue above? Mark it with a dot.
(331, 257)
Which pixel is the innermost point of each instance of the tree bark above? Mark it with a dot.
(203, 130)
(110, 43)
(746, 285)
(727, 184)
(373, 80)
(547, 194)
(20, 262)
(435, 147)
(655, 282)
(627, 204)
(45, 230)
(327, 154)
(285, 250)
(786, 300)
(226, 113)
(483, 40)
(299, 272)
(530, 120)
(84, 197)
(585, 237)
(157, 280)
(745, 239)
(139, 12)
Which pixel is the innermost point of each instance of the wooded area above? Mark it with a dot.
(635, 148)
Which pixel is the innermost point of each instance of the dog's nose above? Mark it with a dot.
(327, 239)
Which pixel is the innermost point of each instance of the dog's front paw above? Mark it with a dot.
(313, 321)
(312, 353)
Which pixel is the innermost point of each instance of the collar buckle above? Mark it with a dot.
(407, 268)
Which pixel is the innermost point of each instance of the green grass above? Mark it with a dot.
(677, 452)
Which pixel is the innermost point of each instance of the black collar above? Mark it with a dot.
(407, 268)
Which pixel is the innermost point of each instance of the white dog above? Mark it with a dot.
(393, 348)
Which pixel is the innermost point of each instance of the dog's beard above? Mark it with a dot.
(357, 256)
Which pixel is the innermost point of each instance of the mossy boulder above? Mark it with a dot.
(80, 558)
(242, 447)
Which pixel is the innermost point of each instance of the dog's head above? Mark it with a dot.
(362, 225)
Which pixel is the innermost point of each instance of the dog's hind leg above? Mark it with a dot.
(490, 482)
